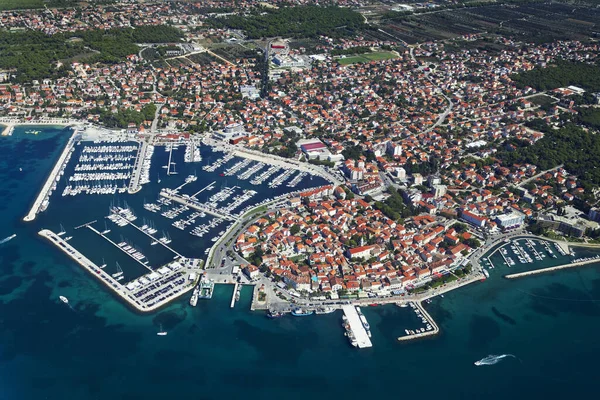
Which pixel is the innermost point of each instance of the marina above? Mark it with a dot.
(125, 248)
(575, 263)
(429, 326)
(146, 293)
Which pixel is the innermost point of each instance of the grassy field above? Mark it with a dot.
(18, 4)
(542, 100)
(362, 58)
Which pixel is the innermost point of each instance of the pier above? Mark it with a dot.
(118, 247)
(235, 289)
(134, 184)
(551, 269)
(207, 187)
(357, 327)
(187, 201)
(431, 322)
(151, 237)
(42, 199)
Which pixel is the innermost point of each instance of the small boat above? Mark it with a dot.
(324, 310)
(161, 333)
(64, 299)
(298, 312)
(274, 314)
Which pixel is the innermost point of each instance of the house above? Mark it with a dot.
(251, 272)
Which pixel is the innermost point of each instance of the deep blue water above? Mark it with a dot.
(102, 350)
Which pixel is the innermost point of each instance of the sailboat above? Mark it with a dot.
(103, 263)
(106, 230)
(62, 230)
(161, 332)
(158, 181)
(119, 272)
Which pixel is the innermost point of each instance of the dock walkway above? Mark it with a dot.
(196, 205)
(118, 247)
(134, 184)
(357, 327)
(152, 237)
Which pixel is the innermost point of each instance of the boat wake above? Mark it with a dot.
(8, 239)
(493, 359)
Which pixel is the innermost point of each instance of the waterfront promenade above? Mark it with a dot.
(43, 197)
(551, 269)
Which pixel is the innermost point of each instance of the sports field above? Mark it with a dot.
(361, 58)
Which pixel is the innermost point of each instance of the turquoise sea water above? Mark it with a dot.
(100, 349)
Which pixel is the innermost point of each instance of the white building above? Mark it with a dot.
(393, 149)
(510, 220)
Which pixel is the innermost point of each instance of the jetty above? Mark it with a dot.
(235, 289)
(360, 334)
(551, 269)
(42, 200)
(118, 247)
(166, 246)
(188, 201)
(430, 320)
(134, 184)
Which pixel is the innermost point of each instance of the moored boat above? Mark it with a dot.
(299, 312)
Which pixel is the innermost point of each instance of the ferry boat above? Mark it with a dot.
(298, 312)
(64, 299)
(206, 288)
(161, 332)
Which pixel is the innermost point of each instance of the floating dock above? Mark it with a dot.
(357, 327)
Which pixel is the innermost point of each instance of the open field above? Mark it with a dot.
(542, 100)
(538, 22)
(18, 4)
(361, 58)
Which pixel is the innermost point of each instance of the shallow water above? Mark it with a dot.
(100, 349)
